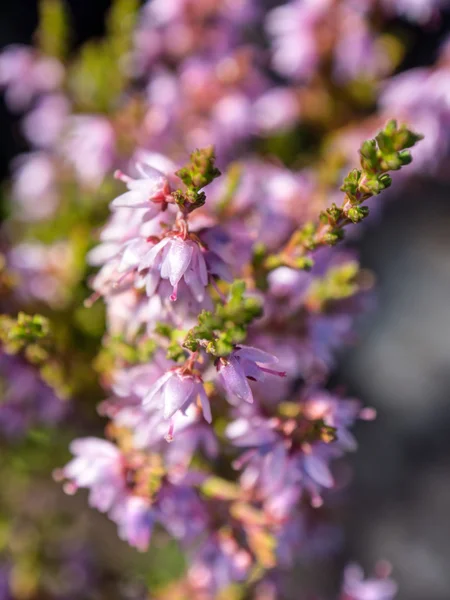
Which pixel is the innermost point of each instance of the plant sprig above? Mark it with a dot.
(388, 151)
(219, 332)
(198, 173)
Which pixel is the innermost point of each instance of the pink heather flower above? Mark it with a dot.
(26, 400)
(126, 225)
(90, 146)
(281, 472)
(357, 52)
(98, 466)
(101, 467)
(34, 189)
(286, 202)
(175, 391)
(292, 28)
(176, 507)
(45, 272)
(218, 563)
(135, 519)
(147, 423)
(43, 126)
(24, 74)
(151, 190)
(244, 363)
(181, 512)
(231, 121)
(355, 587)
(130, 310)
(276, 110)
(174, 258)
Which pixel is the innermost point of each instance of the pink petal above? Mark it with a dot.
(255, 354)
(177, 392)
(201, 267)
(197, 288)
(133, 199)
(132, 255)
(149, 172)
(150, 257)
(155, 388)
(206, 407)
(235, 381)
(318, 470)
(178, 259)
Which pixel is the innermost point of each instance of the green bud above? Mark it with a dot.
(333, 237)
(219, 332)
(305, 263)
(351, 182)
(357, 213)
(201, 169)
(334, 211)
(274, 261)
(385, 180)
(405, 157)
(369, 156)
(197, 174)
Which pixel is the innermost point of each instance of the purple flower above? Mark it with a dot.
(99, 466)
(44, 125)
(148, 424)
(90, 147)
(355, 587)
(26, 401)
(135, 519)
(276, 110)
(218, 563)
(174, 392)
(45, 271)
(34, 189)
(292, 28)
(150, 430)
(25, 74)
(5, 588)
(153, 254)
(151, 190)
(282, 461)
(174, 258)
(181, 512)
(244, 363)
(357, 53)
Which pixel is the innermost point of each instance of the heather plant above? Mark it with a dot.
(175, 259)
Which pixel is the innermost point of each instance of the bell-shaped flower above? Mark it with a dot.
(97, 465)
(175, 258)
(151, 190)
(243, 364)
(175, 391)
(135, 519)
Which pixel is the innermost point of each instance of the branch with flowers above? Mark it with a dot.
(202, 388)
(218, 303)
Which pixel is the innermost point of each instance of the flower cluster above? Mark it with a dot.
(163, 413)
(225, 298)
